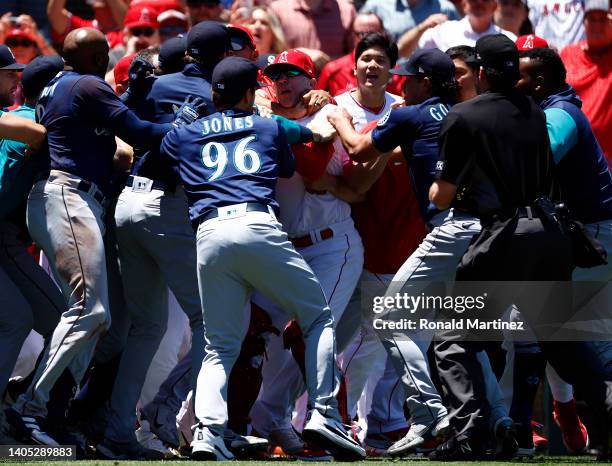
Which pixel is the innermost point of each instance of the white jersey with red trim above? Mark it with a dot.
(302, 212)
(363, 115)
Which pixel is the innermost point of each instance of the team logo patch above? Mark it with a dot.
(384, 119)
(283, 57)
(439, 165)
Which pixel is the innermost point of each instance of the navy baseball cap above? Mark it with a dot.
(171, 54)
(7, 60)
(233, 76)
(432, 63)
(208, 39)
(39, 72)
(498, 52)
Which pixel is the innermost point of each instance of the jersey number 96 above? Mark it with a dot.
(215, 157)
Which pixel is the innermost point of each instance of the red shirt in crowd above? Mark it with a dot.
(592, 80)
(114, 38)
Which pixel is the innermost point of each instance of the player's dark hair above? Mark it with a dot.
(551, 64)
(464, 53)
(380, 40)
(149, 54)
(445, 90)
(221, 102)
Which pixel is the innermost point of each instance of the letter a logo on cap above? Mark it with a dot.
(283, 58)
(528, 42)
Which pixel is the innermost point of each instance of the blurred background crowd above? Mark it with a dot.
(328, 29)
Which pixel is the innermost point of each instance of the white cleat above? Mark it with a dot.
(331, 435)
(417, 435)
(207, 446)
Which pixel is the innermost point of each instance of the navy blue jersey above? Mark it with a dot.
(76, 110)
(415, 129)
(167, 94)
(228, 158)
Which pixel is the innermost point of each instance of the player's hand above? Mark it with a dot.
(322, 131)
(315, 100)
(193, 108)
(338, 115)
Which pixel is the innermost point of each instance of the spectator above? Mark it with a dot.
(205, 10)
(512, 15)
(24, 29)
(557, 21)
(339, 75)
(171, 24)
(588, 66)
(323, 25)
(477, 22)
(400, 16)
(23, 45)
(267, 31)
(109, 16)
(141, 29)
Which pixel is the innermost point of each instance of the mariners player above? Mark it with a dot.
(429, 91)
(65, 211)
(229, 163)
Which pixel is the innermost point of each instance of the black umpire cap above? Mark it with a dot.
(233, 76)
(7, 60)
(432, 63)
(38, 73)
(498, 52)
(208, 39)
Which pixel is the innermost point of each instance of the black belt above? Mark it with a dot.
(502, 215)
(156, 184)
(86, 186)
(214, 213)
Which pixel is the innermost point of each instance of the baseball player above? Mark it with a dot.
(81, 114)
(29, 300)
(229, 163)
(389, 211)
(428, 91)
(320, 226)
(153, 229)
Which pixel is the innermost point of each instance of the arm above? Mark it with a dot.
(442, 193)
(59, 18)
(562, 132)
(337, 186)
(23, 130)
(359, 146)
(361, 176)
(410, 39)
(124, 155)
(118, 8)
(137, 132)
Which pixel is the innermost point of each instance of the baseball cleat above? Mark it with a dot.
(27, 429)
(418, 434)
(207, 446)
(288, 439)
(150, 441)
(506, 444)
(244, 446)
(573, 431)
(111, 450)
(331, 435)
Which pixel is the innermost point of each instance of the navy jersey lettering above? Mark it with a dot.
(230, 157)
(415, 129)
(76, 110)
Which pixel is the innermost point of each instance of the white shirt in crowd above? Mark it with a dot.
(557, 21)
(453, 33)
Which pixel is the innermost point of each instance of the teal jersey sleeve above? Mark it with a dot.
(562, 132)
(295, 132)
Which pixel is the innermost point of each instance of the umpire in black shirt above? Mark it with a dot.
(497, 160)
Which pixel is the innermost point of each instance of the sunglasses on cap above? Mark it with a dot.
(291, 73)
(147, 32)
(19, 43)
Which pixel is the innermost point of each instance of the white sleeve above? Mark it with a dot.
(427, 40)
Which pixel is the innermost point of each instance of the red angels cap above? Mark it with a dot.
(530, 41)
(240, 36)
(121, 70)
(141, 15)
(295, 58)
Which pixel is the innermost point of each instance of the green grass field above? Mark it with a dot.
(372, 462)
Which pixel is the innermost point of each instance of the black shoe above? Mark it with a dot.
(109, 449)
(27, 429)
(458, 450)
(506, 444)
(72, 436)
